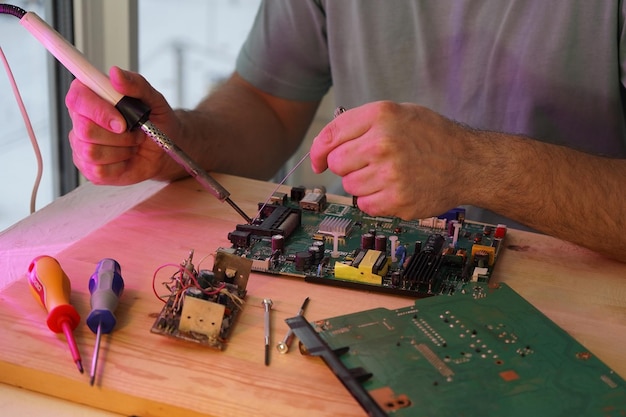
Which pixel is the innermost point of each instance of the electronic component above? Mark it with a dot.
(484, 352)
(203, 305)
(340, 245)
(272, 220)
(278, 198)
(314, 200)
(368, 267)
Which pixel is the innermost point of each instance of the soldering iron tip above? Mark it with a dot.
(92, 380)
(79, 365)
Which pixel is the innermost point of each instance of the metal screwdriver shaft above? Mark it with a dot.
(336, 113)
(96, 353)
(267, 304)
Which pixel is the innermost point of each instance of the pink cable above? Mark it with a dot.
(29, 129)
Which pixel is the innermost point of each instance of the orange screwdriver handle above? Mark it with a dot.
(51, 287)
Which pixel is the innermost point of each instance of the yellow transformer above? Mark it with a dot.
(368, 267)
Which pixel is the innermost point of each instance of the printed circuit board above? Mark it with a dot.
(484, 352)
(202, 305)
(303, 235)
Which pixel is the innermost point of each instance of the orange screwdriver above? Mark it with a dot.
(51, 287)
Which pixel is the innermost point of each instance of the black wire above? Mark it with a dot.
(13, 10)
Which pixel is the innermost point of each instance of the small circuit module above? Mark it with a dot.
(484, 352)
(303, 235)
(202, 305)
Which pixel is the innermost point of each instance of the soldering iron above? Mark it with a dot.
(135, 112)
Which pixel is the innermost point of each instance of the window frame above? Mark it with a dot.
(106, 32)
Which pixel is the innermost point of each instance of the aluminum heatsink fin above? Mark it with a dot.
(335, 226)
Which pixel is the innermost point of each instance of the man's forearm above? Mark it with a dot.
(240, 131)
(559, 191)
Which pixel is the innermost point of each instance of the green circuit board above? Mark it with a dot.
(484, 352)
(302, 235)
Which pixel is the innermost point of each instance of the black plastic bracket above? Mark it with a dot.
(316, 346)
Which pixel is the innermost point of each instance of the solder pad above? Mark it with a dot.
(484, 352)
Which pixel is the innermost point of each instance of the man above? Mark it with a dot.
(510, 107)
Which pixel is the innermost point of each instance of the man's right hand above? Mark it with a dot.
(103, 150)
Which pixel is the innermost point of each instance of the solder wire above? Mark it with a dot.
(306, 155)
(336, 113)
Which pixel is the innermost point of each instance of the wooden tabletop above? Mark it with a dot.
(150, 375)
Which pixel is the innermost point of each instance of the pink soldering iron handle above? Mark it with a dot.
(70, 57)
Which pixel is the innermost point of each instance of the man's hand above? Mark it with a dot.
(103, 150)
(400, 159)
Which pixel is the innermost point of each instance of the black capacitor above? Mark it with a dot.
(367, 241)
(380, 243)
(303, 261)
(321, 248)
(206, 278)
(315, 254)
(194, 292)
(418, 246)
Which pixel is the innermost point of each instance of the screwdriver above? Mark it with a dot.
(106, 286)
(51, 287)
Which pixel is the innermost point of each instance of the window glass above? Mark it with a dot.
(18, 165)
(187, 47)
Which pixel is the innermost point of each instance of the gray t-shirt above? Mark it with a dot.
(551, 70)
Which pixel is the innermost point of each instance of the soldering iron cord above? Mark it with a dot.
(281, 183)
(29, 130)
(19, 13)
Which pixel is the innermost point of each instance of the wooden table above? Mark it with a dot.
(149, 375)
